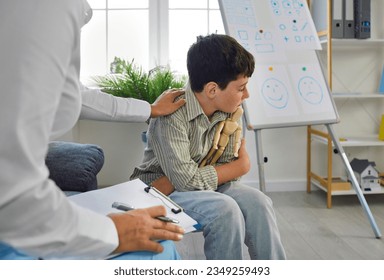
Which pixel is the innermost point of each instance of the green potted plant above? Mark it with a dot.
(129, 80)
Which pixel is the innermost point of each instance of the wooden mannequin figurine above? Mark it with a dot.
(220, 141)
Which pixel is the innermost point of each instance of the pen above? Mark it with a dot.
(125, 207)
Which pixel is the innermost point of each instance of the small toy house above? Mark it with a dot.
(366, 174)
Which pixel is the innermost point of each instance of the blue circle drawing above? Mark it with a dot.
(275, 93)
(310, 90)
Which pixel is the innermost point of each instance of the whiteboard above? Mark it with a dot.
(288, 87)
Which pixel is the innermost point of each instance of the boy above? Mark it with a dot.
(230, 212)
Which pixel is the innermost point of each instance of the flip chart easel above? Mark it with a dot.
(288, 87)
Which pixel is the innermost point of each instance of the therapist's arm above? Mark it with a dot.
(101, 106)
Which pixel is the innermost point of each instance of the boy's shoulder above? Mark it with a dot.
(190, 109)
(180, 114)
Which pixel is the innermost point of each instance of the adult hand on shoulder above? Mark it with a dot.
(138, 229)
(166, 103)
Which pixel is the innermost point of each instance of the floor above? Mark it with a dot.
(310, 231)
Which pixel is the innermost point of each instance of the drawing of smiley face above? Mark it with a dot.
(310, 90)
(275, 93)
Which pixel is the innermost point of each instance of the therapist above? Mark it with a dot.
(39, 70)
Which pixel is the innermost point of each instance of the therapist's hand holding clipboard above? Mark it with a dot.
(138, 195)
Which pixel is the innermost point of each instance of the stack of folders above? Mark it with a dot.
(350, 18)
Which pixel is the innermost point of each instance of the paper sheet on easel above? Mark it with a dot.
(133, 194)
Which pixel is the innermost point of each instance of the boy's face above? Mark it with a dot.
(233, 95)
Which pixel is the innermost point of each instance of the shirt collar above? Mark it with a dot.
(194, 109)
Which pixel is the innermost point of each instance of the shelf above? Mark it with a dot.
(354, 141)
(349, 192)
(368, 52)
(352, 43)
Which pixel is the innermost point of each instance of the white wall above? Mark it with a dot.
(354, 70)
(285, 149)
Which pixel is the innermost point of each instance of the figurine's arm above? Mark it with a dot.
(207, 157)
(236, 145)
(218, 131)
(216, 139)
(229, 128)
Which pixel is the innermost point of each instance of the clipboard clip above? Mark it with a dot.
(175, 207)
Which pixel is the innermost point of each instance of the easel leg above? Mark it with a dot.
(260, 159)
(355, 184)
(309, 158)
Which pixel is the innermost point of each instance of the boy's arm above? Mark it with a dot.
(225, 172)
(234, 169)
(164, 185)
(178, 156)
(229, 167)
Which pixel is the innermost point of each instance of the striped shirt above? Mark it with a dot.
(177, 143)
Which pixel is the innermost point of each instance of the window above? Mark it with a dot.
(152, 32)
(187, 20)
(117, 28)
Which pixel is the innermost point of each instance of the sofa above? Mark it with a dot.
(74, 166)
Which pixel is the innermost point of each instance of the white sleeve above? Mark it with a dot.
(40, 62)
(98, 105)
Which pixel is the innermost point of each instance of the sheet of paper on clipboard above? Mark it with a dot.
(136, 194)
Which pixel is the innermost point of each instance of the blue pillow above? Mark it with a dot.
(74, 166)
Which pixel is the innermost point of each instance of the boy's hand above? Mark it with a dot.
(164, 185)
(244, 157)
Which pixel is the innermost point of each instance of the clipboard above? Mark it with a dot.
(136, 194)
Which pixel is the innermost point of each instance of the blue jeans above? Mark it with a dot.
(231, 216)
(169, 253)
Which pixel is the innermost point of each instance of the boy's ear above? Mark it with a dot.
(211, 89)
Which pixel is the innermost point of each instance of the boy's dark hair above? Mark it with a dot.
(217, 58)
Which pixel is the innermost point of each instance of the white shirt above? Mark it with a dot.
(40, 98)
(97, 105)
